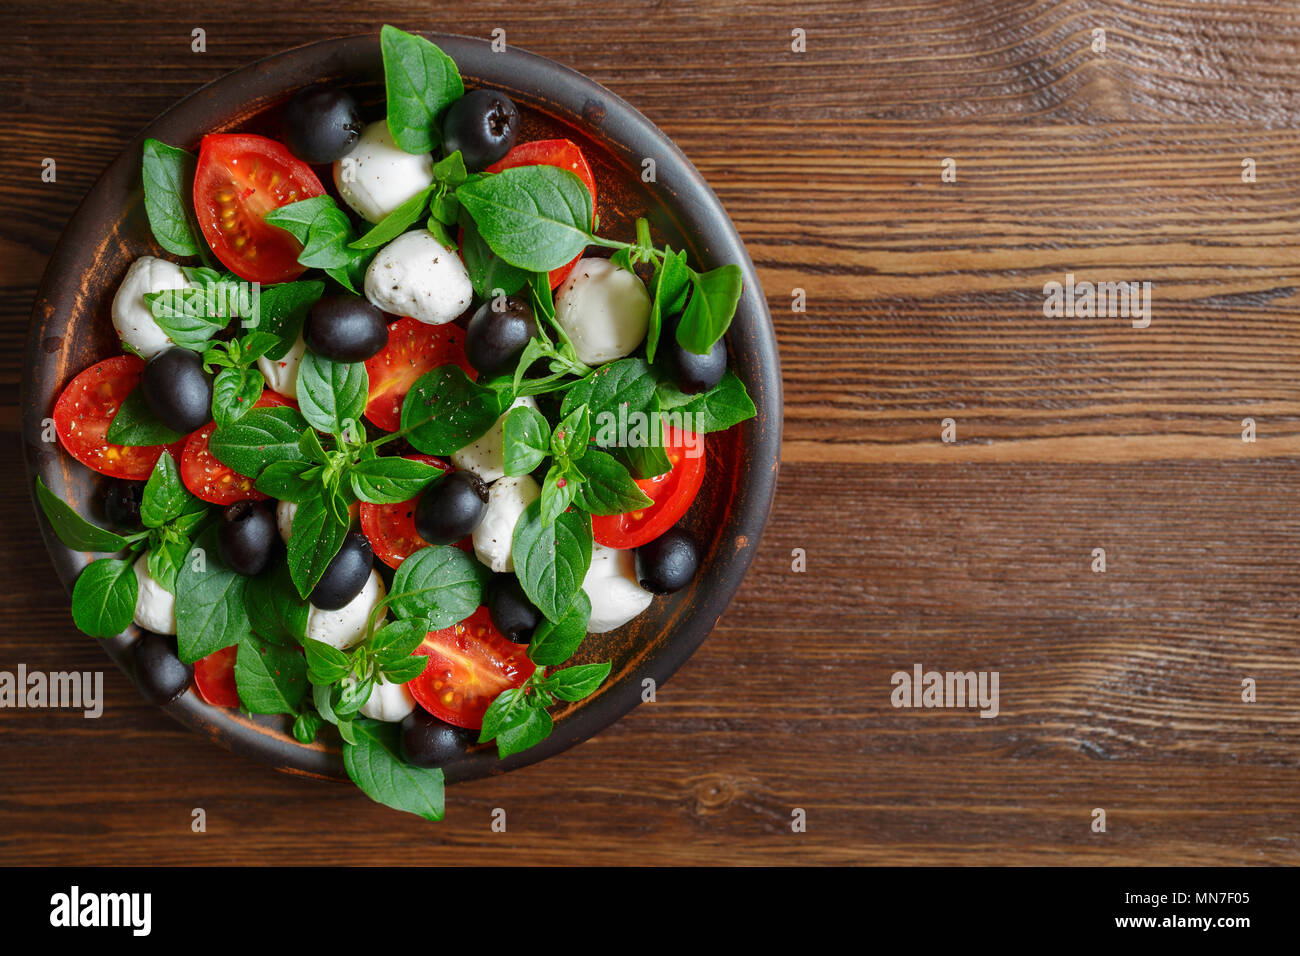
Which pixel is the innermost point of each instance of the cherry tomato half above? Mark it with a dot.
(391, 528)
(413, 348)
(470, 663)
(208, 478)
(214, 676)
(86, 408)
(671, 492)
(552, 152)
(238, 180)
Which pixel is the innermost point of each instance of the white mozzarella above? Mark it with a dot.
(132, 316)
(377, 175)
(347, 626)
(284, 512)
(388, 702)
(417, 275)
(155, 606)
(282, 374)
(603, 309)
(611, 584)
(486, 457)
(507, 500)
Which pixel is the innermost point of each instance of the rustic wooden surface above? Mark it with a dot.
(1119, 690)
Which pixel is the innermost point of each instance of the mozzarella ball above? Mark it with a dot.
(282, 374)
(611, 584)
(347, 626)
(417, 275)
(388, 702)
(603, 309)
(284, 512)
(507, 500)
(155, 606)
(486, 457)
(377, 175)
(132, 316)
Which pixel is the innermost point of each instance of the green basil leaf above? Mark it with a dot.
(72, 529)
(185, 314)
(103, 599)
(135, 424)
(398, 639)
(551, 560)
(451, 171)
(270, 679)
(672, 283)
(724, 405)
(557, 493)
(391, 480)
(164, 561)
(210, 612)
(444, 411)
(311, 447)
(275, 611)
(500, 711)
(440, 583)
(421, 81)
(608, 489)
(288, 481)
(325, 664)
(305, 728)
(354, 696)
(165, 495)
(714, 296)
(375, 765)
(262, 436)
(395, 223)
(168, 175)
(234, 392)
(527, 439)
(488, 272)
(525, 729)
(332, 395)
(281, 310)
(627, 384)
(314, 540)
(554, 642)
(569, 440)
(575, 683)
(534, 217)
(407, 669)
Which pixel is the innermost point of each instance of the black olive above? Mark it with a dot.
(451, 507)
(691, 373)
(122, 500)
(247, 537)
(346, 328)
(177, 390)
(346, 575)
(430, 742)
(321, 124)
(512, 613)
(159, 673)
(483, 125)
(668, 562)
(494, 340)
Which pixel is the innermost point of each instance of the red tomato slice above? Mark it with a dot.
(391, 528)
(413, 348)
(470, 663)
(208, 478)
(552, 152)
(238, 180)
(214, 676)
(86, 408)
(671, 492)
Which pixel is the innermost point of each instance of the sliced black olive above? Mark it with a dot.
(346, 575)
(159, 672)
(430, 742)
(495, 339)
(346, 328)
(667, 563)
(451, 507)
(321, 124)
(177, 390)
(483, 125)
(247, 537)
(512, 613)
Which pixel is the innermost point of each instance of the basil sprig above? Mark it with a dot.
(518, 718)
(421, 82)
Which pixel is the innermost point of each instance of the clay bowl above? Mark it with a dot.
(71, 329)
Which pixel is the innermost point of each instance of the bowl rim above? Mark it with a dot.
(568, 96)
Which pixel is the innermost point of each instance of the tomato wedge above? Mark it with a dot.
(86, 408)
(208, 478)
(214, 676)
(238, 180)
(671, 492)
(552, 152)
(391, 528)
(470, 663)
(413, 348)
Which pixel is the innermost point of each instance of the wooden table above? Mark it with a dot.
(1119, 690)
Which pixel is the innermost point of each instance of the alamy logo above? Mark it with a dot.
(1101, 299)
(959, 689)
(74, 908)
(82, 691)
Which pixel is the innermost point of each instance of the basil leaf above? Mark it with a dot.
(315, 539)
(627, 384)
(288, 481)
(554, 642)
(724, 405)
(281, 310)
(421, 81)
(523, 730)
(323, 229)
(311, 447)
(527, 438)
(168, 175)
(305, 728)
(103, 599)
(134, 424)
(165, 495)
(395, 223)
(672, 282)
(391, 480)
(534, 217)
(551, 560)
(375, 765)
(557, 494)
(407, 669)
(398, 639)
(354, 696)
(234, 392)
(451, 171)
(712, 304)
(270, 679)
(444, 411)
(325, 664)
(439, 583)
(72, 529)
(575, 683)
(262, 436)
(608, 488)
(275, 611)
(165, 559)
(569, 439)
(488, 272)
(332, 395)
(184, 315)
(210, 610)
(500, 711)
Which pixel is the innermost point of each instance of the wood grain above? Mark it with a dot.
(924, 299)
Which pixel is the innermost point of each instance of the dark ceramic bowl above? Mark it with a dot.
(71, 329)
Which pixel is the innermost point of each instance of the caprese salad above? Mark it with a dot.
(429, 366)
